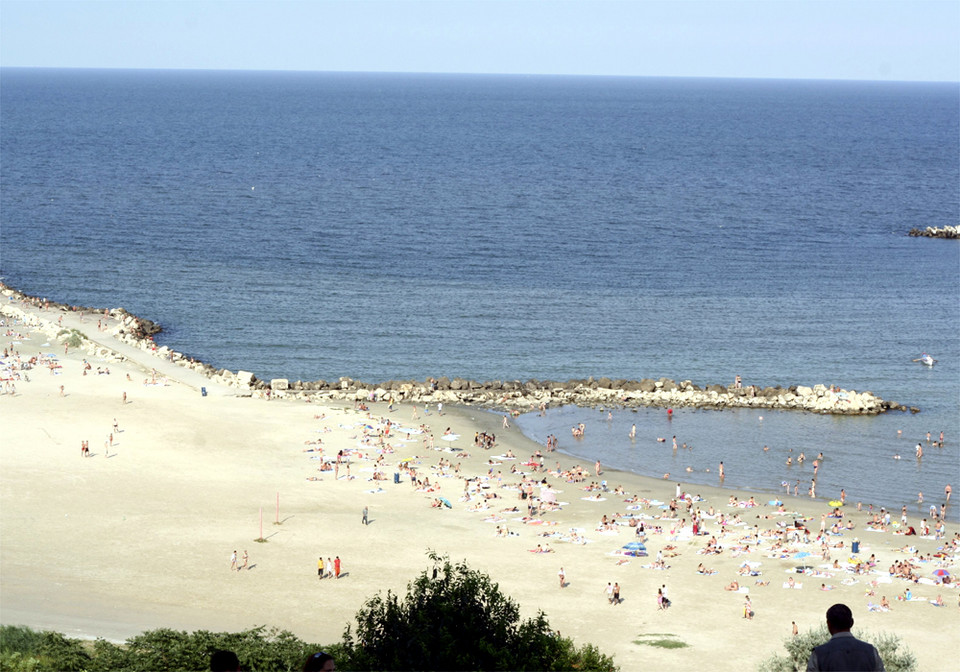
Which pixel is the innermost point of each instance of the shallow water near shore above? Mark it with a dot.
(858, 452)
(311, 226)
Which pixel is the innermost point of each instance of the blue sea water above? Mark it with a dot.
(385, 226)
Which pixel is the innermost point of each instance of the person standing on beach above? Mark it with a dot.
(609, 590)
(246, 560)
(365, 520)
(233, 561)
(320, 567)
(336, 566)
(843, 652)
(562, 577)
(616, 594)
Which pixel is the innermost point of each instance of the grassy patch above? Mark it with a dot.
(661, 640)
(72, 337)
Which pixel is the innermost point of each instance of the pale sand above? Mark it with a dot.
(113, 546)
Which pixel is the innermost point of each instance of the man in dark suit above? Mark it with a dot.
(844, 652)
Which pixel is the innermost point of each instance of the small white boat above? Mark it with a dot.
(926, 360)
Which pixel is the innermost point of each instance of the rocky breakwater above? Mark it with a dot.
(594, 393)
(952, 232)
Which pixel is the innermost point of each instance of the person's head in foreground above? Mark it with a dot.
(839, 618)
(320, 662)
(224, 661)
(843, 652)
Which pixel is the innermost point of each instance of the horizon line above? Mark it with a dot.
(477, 74)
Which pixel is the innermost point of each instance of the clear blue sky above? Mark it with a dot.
(819, 39)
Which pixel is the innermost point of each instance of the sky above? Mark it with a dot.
(914, 40)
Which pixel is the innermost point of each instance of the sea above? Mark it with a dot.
(404, 226)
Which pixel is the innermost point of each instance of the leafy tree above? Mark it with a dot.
(457, 619)
(895, 658)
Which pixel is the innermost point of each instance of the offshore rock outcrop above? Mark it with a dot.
(513, 395)
(952, 232)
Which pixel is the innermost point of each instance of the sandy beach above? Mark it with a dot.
(139, 535)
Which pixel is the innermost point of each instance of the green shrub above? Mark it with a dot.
(455, 618)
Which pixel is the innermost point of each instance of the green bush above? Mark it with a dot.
(455, 618)
(25, 650)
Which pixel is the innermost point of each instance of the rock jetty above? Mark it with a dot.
(514, 395)
(952, 232)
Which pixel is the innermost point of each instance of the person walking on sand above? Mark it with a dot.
(616, 594)
(562, 577)
(843, 652)
(336, 567)
(233, 561)
(748, 609)
(365, 519)
(320, 567)
(609, 590)
(246, 560)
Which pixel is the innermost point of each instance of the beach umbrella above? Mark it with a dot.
(634, 546)
(801, 554)
(835, 502)
(446, 502)
(941, 572)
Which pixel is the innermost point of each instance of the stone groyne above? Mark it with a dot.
(952, 232)
(521, 396)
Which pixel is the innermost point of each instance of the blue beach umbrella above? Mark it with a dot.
(801, 554)
(446, 502)
(635, 548)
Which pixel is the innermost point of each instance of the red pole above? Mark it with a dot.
(261, 522)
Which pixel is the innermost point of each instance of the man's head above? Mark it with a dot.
(224, 661)
(839, 618)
